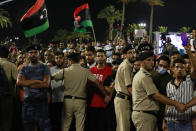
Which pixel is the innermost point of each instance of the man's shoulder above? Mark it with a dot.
(139, 75)
(93, 68)
(125, 64)
(54, 69)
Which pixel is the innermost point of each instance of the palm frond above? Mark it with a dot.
(4, 19)
(162, 28)
(185, 29)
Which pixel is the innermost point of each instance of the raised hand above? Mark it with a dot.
(188, 46)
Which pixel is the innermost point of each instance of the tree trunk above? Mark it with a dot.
(123, 16)
(110, 31)
(151, 24)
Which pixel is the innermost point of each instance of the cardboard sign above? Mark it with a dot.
(140, 33)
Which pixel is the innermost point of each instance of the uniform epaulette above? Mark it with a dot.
(146, 73)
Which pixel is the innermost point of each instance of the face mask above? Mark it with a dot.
(109, 53)
(68, 49)
(161, 70)
(81, 48)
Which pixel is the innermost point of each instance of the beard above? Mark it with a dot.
(59, 65)
(33, 60)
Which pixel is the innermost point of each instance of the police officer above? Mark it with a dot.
(123, 87)
(35, 79)
(75, 79)
(6, 89)
(145, 46)
(145, 96)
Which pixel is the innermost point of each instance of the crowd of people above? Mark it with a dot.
(111, 86)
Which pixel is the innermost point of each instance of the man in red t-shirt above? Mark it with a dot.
(96, 120)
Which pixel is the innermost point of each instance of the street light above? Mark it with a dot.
(143, 25)
(16, 38)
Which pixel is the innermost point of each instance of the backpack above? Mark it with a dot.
(4, 86)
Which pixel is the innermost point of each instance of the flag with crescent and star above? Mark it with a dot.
(35, 20)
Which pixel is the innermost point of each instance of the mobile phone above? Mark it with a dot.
(184, 39)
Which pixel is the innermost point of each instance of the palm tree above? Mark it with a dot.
(153, 3)
(124, 2)
(111, 15)
(61, 35)
(80, 36)
(4, 19)
(162, 29)
(34, 40)
(185, 29)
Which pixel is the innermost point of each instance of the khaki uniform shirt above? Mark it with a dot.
(124, 77)
(75, 79)
(10, 71)
(143, 87)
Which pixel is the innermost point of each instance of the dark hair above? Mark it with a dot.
(101, 50)
(83, 57)
(55, 42)
(57, 53)
(174, 53)
(91, 48)
(137, 57)
(184, 56)
(178, 61)
(118, 54)
(164, 58)
(117, 61)
(75, 57)
(4, 51)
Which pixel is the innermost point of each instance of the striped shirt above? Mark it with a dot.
(183, 94)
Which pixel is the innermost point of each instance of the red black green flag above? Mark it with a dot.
(35, 19)
(82, 18)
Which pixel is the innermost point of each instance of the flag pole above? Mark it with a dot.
(94, 35)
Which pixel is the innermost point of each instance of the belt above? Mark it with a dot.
(180, 121)
(126, 97)
(148, 112)
(73, 97)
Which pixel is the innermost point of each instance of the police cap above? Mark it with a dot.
(145, 47)
(128, 47)
(145, 55)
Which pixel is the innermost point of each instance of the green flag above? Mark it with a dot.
(35, 19)
(82, 18)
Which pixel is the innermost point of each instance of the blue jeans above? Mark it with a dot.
(36, 113)
(172, 126)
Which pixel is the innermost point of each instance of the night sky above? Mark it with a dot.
(175, 14)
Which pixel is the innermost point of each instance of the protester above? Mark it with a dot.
(103, 59)
(35, 79)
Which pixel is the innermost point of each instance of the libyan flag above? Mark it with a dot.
(82, 18)
(35, 19)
